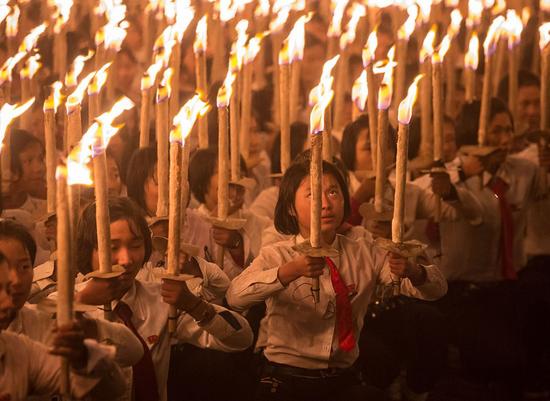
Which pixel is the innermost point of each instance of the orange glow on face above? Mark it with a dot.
(370, 49)
(99, 80)
(226, 90)
(54, 100)
(404, 113)
(360, 91)
(32, 65)
(471, 59)
(407, 28)
(76, 97)
(199, 46)
(71, 79)
(296, 38)
(186, 117)
(9, 112)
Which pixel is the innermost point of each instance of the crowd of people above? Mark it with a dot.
(248, 327)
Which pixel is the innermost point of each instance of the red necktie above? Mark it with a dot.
(344, 320)
(144, 381)
(499, 187)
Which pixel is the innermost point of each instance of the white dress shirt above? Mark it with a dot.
(150, 317)
(252, 240)
(38, 326)
(26, 368)
(301, 333)
(537, 240)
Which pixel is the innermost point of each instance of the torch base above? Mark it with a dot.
(116, 272)
(305, 248)
(407, 249)
(174, 277)
(160, 244)
(229, 223)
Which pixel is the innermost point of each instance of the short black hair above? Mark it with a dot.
(349, 140)
(120, 208)
(140, 168)
(525, 78)
(298, 136)
(285, 212)
(20, 140)
(10, 229)
(467, 122)
(202, 167)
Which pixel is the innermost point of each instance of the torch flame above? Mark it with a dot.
(335, 27)
(544, 31)
(12, 22)
(405, 107)
(75, 98)
(226, 90)
(239, 47)
(253, 47)
(471, 59)
(386, 86)
(357, 12)
(9, 65)
(150, 76)
(525, 15)
(54, 100)
(99, 79)
(475, 8)
(186, 117)
(370, 49)
(545, 5)
(360, 91)
(492, 35)
(29, 42)
(199, 46)
(428, 44)
(444, 47)
(71, 79)
(62, 15)
(279, 22)
(165, 86)
(4, 12)
(283, 54)
(32, 65)
(456, 20)
(513, 27)
(425, 7)
(296, 38)
(262, 9)
(317, 116)
(184, 15)
(9, 112)
(407, 28)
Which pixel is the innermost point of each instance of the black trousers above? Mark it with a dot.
(484, 322)
(409, 336)
(348, 386)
